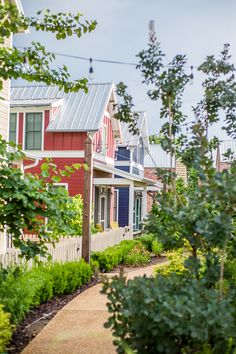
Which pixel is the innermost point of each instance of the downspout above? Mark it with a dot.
(34, 164)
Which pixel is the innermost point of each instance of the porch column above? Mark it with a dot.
(131, 204)
(144, 202)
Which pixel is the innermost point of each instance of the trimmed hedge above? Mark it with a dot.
(131, 252)
(21, 290)
(111, 257)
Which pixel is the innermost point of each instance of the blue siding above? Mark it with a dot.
(122, 168)
(123, 216)
(123, 154)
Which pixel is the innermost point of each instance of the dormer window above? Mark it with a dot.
(13, 127)
(33, 131)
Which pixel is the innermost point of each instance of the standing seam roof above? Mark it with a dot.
(80, 111)
(160, 158)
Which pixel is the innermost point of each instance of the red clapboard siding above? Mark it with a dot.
(48, 137)
(75, 182)
(110, 138)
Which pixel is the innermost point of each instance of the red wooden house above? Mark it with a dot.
(51, 124)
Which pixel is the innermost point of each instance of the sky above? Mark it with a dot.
(196, 28)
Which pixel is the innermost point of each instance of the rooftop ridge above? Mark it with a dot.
(89, 84)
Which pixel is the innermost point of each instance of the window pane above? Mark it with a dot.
(29, 144)
(30, 122)
(38, 122)
(12, 137)
(12, 128)
(37, 140)
(12, 122)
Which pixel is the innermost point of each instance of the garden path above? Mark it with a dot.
(78, 327)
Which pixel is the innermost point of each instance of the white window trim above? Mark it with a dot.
(24, 125)
(17, 128)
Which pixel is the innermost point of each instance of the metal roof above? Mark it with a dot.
(132, 140)
(79, 111)
(157, 157)
(226, 145)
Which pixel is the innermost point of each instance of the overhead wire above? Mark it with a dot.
(108, 61)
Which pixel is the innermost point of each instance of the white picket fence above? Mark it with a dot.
(70, 248)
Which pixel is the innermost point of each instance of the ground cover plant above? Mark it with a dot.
(177, 311)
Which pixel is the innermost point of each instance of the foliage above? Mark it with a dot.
(132, 252)
(137, 256)
(175, 265)
(124, 108)
(96, 228)
(163, 315)
(35, 63)
(146, 241)
(157, 247)
(162, 225)
(22, 289)
(150, 315)
(75, 223)
(26, 200)
(154, 139)
(5, 329)
(111, 257)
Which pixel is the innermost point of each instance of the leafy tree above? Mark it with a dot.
(200, 214)
(35, 63)
(75, 223)
(26, 200)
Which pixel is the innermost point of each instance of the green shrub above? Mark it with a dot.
(5, 329)
(22, 290)
(59, 281)
(147, 241)
(166, 316)
(137, 256)
(157, 247)
(230, 270)
(111, 257)
(175, 266)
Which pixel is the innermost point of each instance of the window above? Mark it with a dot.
(12, 127)
(104, 140)
(33, 131)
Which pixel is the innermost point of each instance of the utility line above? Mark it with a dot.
(108, 61)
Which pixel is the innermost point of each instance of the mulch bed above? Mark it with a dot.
(38, 317)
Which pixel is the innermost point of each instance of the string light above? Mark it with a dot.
(191, 76)
(91, 69)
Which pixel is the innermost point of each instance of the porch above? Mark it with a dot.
(121, 198)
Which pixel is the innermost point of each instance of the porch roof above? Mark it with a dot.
(126, 176)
